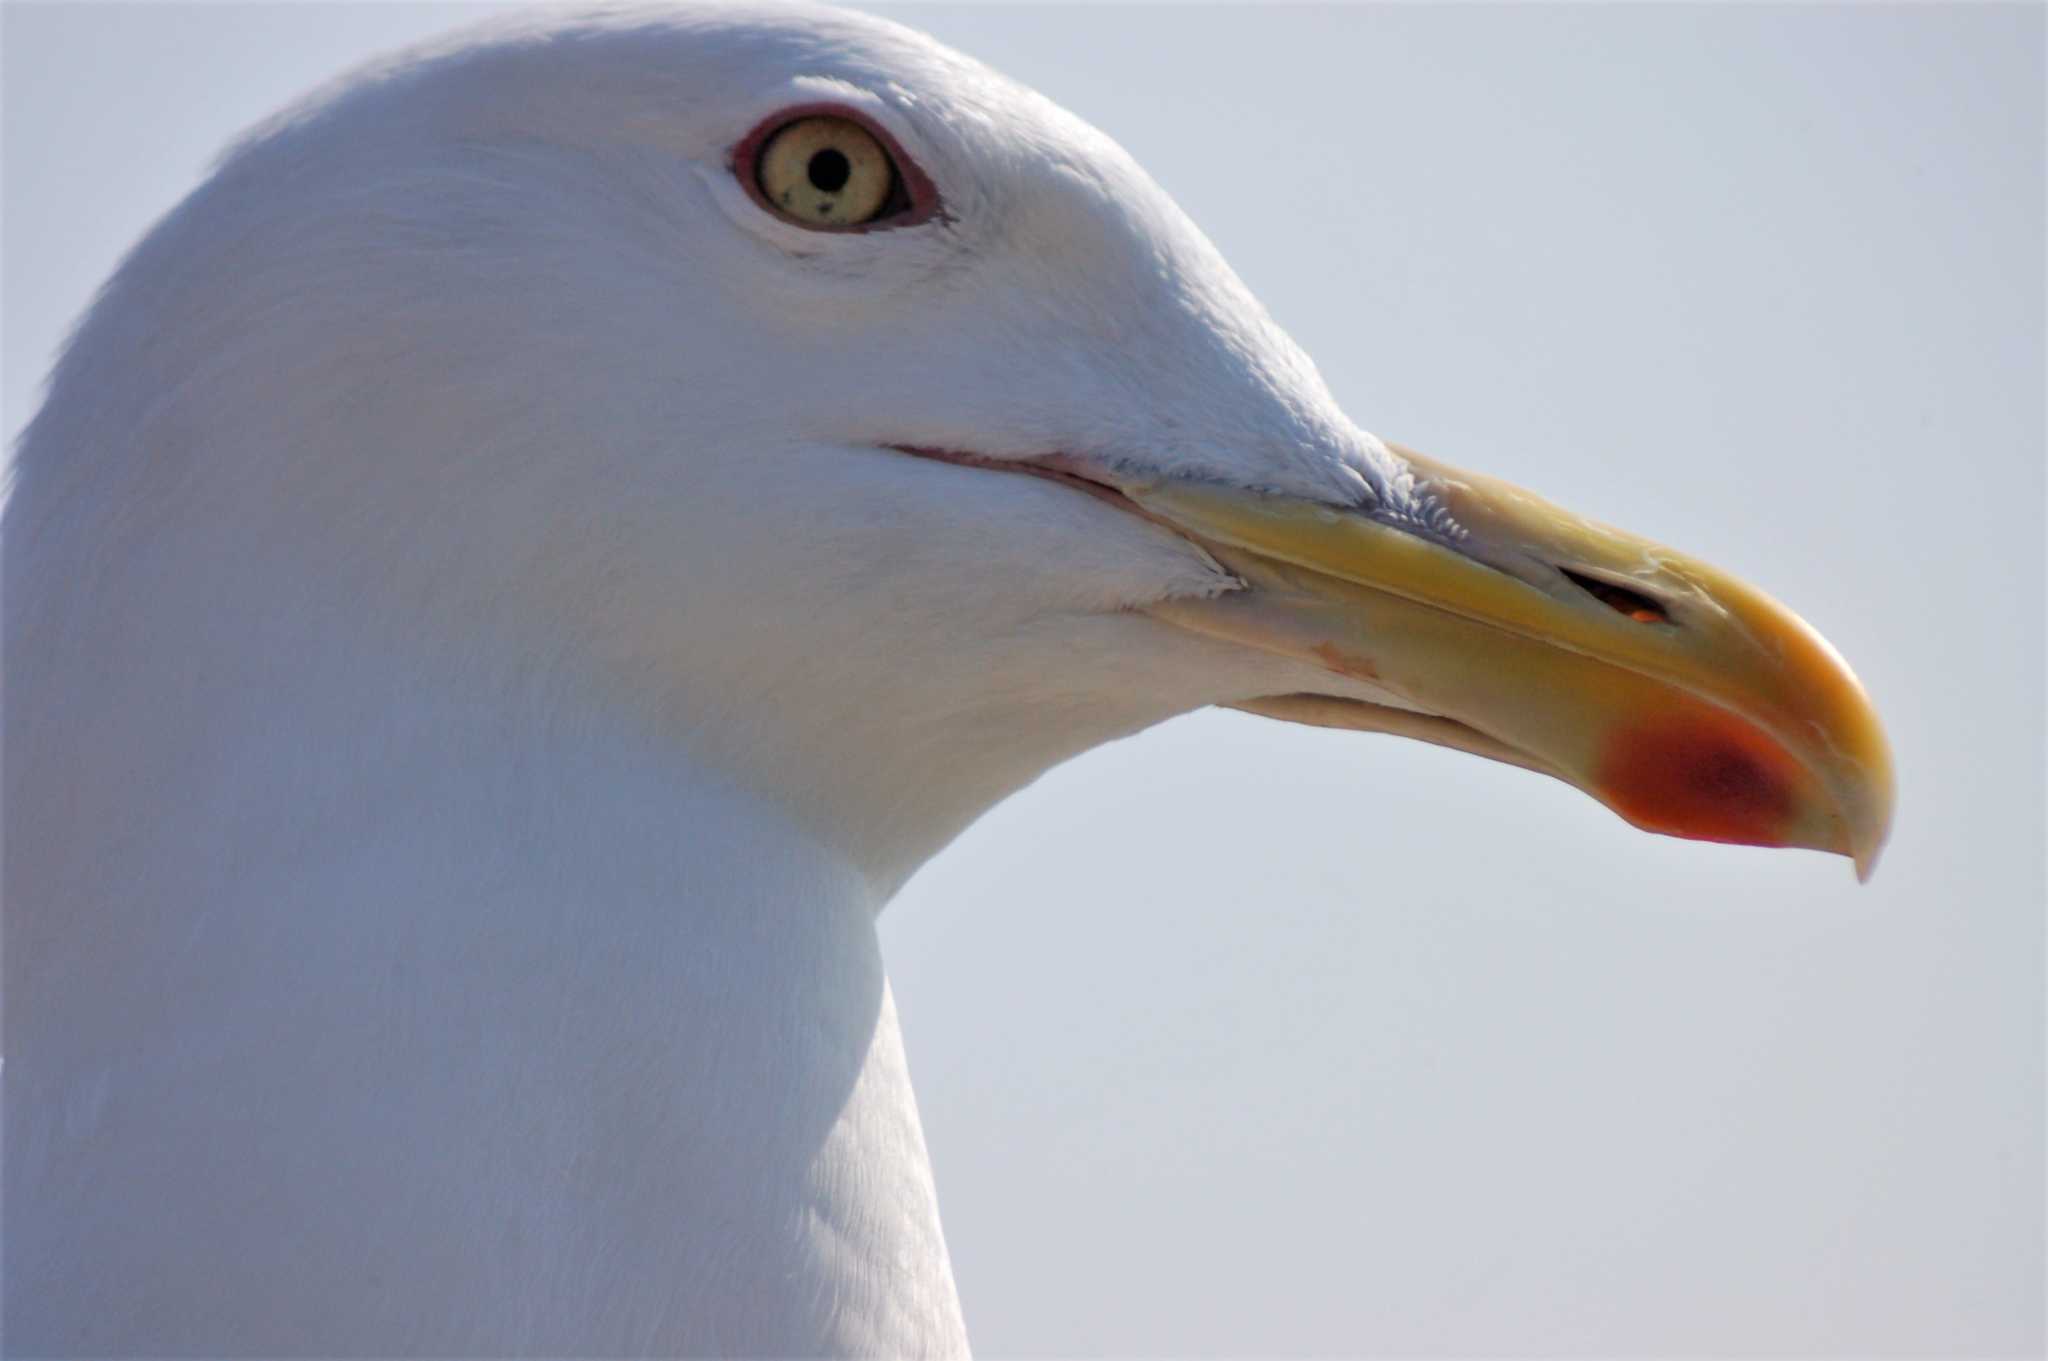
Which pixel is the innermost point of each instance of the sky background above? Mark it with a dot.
(1244, 1038)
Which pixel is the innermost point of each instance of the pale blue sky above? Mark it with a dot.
(1242, 1038)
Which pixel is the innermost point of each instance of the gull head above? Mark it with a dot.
(860, 424)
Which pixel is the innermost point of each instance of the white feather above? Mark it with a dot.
(476, 671)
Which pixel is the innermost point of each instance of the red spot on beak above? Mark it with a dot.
(1709, 776)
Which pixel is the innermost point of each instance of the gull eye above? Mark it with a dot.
(826, 171)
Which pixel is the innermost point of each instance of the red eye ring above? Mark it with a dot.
(921, 194)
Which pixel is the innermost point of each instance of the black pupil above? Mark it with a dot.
(829, 170)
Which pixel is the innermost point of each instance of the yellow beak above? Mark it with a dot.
(1685, 700)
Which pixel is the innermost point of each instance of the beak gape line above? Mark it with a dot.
(1685, 700)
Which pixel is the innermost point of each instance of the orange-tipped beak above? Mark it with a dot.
(1684, 699)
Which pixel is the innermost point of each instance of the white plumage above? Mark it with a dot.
(483, 648)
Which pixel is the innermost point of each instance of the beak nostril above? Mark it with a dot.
(1637, 606)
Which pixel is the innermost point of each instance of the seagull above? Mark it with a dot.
(516, 569)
